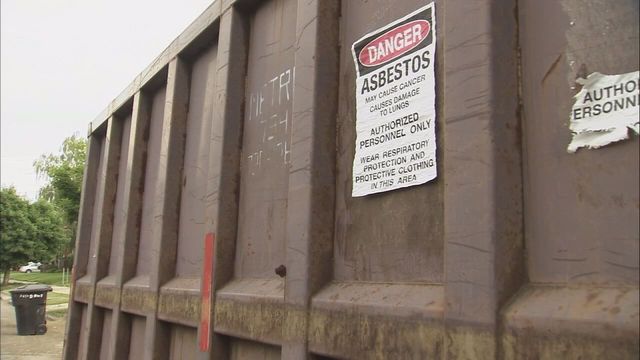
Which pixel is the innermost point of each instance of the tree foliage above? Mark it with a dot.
(50, 230)
(41, 231)
(16, 241)
(64, 173)
(28, 231)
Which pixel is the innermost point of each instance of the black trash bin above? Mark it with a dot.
(30, 303)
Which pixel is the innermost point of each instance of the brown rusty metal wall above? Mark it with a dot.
(149, 200)
(119, 211)
(366, 244)
(106, 332)
(135, 347)
(266, 140)
(242, 349)
(217, 219)
(582, 207)
(581, 210)
(196, 162)
(183, 343)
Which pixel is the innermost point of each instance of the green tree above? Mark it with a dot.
(28, 231)
(16, 229)
(64, 172)
(49, 229)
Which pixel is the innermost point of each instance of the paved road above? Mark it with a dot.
(32, 347)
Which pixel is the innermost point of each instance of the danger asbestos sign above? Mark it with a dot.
(395, 98)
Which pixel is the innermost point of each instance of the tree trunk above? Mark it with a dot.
(5, 280)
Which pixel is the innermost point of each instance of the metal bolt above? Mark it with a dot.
(281, 271)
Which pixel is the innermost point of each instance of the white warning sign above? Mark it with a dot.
(605, 111)
(395, 105)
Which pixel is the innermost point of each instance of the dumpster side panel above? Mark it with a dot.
(120, 212)
(106, 331)
(266, 140)
(95, 223)
(183, 343)
(82, 340)
(195, 175)
(245, 350)
(75, 316)
(403, 242)
(583, 230)
(388, 247)
(581, 209)
(149, 208)
(136, 344)
(148, 303)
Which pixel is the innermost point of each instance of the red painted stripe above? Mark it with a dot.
(205, 306)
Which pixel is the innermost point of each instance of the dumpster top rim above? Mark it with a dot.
(31, 288)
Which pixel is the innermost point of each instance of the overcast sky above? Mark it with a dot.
(63, 61)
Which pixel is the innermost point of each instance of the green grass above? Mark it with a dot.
(56, 314)
(54, 278)
(9, 286)
(54, 298)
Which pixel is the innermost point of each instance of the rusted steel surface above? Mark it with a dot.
(366, 242)
(582, 207)
(266, 144)
(217, 219)
(581, 210)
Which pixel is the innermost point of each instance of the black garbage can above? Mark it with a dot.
(30, 302)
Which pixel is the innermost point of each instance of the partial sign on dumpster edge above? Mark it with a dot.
(395, 105)
(605, 110)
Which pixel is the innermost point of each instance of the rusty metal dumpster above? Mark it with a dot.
(220, 216)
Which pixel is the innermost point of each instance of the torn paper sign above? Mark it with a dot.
(605, 108)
